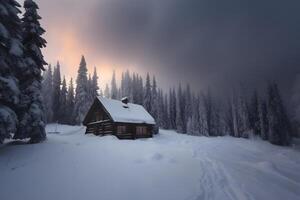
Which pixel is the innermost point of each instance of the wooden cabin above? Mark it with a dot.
(120, 118)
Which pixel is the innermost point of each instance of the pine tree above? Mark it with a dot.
(208, 113)
(92, 87)
(234, 112)
(160, 109)
(147, 95)
(279, 124)
(95, 87)
(263, 119)
(119, 93)
(134, 91)
(295, 100)
(243, 114)
(211, 118)
(56, 93)
(31, 115)
(122, 86)
(81, 95)
(172, 108)
(106, 91)
(154, 99)
(63, 103)
(140, 89)
(193, 121)
(70, 104)
(101, 93)
(188, 102)
(180, 111)
(166, 118)
(240, 114)
(11, 58)
(47, 91)
(228, 118)
(126, 85)
(254, 120)
(217, 128)
(89, 91)
(114, 90)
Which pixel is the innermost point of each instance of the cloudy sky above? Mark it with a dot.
(204, 42)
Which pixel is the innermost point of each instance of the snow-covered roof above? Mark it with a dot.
(131, 113)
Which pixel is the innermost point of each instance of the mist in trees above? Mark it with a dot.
(239, 114)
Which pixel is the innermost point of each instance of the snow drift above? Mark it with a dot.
(74, 166)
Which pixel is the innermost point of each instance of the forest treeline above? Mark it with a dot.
(28, 101)
(238, 114)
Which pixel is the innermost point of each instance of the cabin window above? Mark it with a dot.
(121, 129)
(141, 130)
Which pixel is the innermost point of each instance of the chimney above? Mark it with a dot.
(125, 102)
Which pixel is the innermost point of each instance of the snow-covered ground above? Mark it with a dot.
(170, 166)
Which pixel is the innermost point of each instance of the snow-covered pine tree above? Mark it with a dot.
(228, 118)
(223, 128)
(188, 102)
(134, 90)
(81, 95)
(263, 119)
(295, 100)
(166, 118)
(243, 114)
(159, 103)
(172, 108)
(114, 89)
(180, 112)
(11, 58)
(154, 99)
(208, 113)
(56, 92)
(279, 124)
(193, 121)
(189, 126)
(140, 89)
(106, 91)
(147, 95)
(122, 86)
(119, 93)
(132, 87)
(89, 91)
(254, 120)
(240, 114)
(70, 104)
(63, 114)
(95, 87)
(47, 91)
(236, 121)
(217, 126)
(32, 113)
(211, 117)
(129, 85)
(188, 109)
(101, 92)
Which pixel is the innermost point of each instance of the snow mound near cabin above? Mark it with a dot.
(70, 165)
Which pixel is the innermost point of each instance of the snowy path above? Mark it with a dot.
(74, 166)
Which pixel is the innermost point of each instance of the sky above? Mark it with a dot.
(204, 42)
